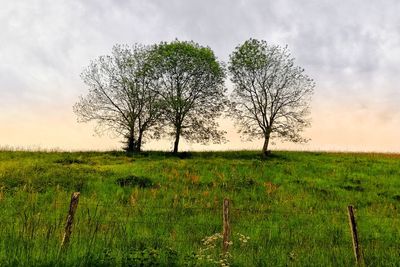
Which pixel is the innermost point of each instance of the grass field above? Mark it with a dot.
(156, 209)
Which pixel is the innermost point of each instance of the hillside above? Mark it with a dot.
(287, 210)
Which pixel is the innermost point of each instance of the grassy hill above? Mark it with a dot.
(157, 209)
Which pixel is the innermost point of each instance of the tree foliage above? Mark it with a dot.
(190, 83)
(271, 95)
(177, 89)
(120, 98)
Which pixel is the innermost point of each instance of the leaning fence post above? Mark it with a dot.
(70, 219)
(226, 226)
(353, 228)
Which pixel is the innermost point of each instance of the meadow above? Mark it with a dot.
(156, 209)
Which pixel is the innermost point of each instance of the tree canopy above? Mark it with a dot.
(271, 95)
(190, 83)
(120, 98)
(177, 89)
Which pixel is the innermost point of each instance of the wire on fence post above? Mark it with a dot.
(70, 219)
(226, 226)
(353, 228)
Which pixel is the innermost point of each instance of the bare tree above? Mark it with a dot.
(120, 98)
(271, 95)
(190, 82)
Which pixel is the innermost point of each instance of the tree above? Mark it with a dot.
(120, 99)
(190, 82)
(271, 95)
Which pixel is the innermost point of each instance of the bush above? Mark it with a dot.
(131, 180)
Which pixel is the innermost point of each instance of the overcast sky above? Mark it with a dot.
(350, 48)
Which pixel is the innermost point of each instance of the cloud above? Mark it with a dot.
(351, 48)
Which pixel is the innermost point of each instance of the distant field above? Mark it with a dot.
(155, 209)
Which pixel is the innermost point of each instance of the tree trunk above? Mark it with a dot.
(265, 146)
(177, 136)
(130, 144)
(139, 142)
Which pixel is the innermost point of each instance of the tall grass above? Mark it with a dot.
(155, 209)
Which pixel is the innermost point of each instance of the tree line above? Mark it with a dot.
(177, 89)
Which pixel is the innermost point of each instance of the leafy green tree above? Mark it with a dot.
(190, 82)
(120, 98)
(271, 95)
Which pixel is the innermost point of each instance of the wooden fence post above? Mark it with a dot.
(356, 245)
(70, 220)
(226, 226)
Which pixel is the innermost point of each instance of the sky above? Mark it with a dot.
(350, 48)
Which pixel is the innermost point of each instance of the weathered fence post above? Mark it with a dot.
(356, 245)
(226, 225)
(70, 220)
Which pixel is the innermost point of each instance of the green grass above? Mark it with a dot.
(155, 209)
